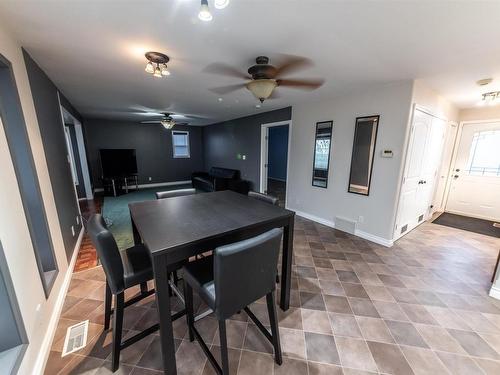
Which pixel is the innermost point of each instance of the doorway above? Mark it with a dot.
(475, 175)
(274, 159)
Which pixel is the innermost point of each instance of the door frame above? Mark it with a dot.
(458, 138)
(264, 131)
(89, 195)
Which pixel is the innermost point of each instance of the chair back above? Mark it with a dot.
(245, 271)
(263, 197)
(175, 193)
(108, 252)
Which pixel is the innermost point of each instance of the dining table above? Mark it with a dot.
(176, 229)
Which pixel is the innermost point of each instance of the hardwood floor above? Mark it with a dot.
(87, 255)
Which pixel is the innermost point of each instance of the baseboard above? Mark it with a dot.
(495, 292)
(359, 233)
(158, 184)
(44, 352)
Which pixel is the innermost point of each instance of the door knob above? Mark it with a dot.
(457, 170)
(456, 176)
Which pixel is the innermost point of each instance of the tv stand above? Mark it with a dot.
(116, 184)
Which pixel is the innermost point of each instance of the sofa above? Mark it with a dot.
(216, 179)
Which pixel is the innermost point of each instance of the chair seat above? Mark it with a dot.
(200, 275)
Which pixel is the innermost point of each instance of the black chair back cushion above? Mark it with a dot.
(224, 173)
(245, 271)
(108, 252)
(263, 197)
(175, 193)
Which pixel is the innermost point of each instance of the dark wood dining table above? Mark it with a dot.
(175, 229)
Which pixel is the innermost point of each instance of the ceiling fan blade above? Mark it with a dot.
(306, 84)
(181, 123)
(292, 64)
(227, 89)
(225, 70)
(151, 122)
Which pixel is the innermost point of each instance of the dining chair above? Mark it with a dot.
(123, 270)
(228, 282)
(267, 199)
(175, 193)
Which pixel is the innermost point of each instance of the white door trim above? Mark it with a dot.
(263, 154)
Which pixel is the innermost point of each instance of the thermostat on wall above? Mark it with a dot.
(387, 154)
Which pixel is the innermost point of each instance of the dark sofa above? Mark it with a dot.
(216, 179)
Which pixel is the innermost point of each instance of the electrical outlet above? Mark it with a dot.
(73, 230)
(149, 178)
(361, 219)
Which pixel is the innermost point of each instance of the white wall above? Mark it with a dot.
(392, 102)
(480, 113)
(37, 311)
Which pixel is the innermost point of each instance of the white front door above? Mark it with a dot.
(475, 182)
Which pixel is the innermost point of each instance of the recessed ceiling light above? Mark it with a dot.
(258, 105)
(220, 99)
(221, 4)
(484, 81)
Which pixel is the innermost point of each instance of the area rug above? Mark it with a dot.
(470, 224)
(116, 213)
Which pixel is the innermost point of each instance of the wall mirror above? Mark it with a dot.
(363, 150)
(322, 146)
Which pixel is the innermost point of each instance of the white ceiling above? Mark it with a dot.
(93, 49)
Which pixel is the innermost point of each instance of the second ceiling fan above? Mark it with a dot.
(167, 121)
(265, 78)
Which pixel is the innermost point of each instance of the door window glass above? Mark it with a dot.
(484, 156)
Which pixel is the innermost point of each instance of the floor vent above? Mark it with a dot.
(345, 225)
(76, 337)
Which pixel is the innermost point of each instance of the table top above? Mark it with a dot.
(166, 224)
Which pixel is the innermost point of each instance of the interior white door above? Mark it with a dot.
(475, 183)
(422, 161)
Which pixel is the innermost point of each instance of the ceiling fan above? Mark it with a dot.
(264, 77)
(167, 121)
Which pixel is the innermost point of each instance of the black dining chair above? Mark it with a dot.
(175, 193)
(263, 197)
(228, 282)
(123, 269)
(267, 199)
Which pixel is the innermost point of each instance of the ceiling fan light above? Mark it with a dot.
(262, 88)
(150, 68)
(164, 70)
(167, 123)
(205, 14)
(157, 72)
(221, 4)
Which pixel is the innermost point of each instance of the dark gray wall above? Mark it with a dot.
(48, 113)
(153, 146)
(225, 140)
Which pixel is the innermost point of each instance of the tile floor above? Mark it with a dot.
(420, 307)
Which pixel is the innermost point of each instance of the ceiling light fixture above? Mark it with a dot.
(262, 88)
(168, 123)
(221, 4)
(157, 64)
(205, 14)
(491, 98)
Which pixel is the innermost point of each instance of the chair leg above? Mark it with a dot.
(273, 319)
(117, 331)
(188, 298)
(223, 347)
(144, 287)
(108, 299)
(176, 278)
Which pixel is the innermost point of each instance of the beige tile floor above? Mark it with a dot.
(420, 307)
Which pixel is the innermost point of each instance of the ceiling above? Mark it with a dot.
(94, 50)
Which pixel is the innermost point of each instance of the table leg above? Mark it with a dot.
(286, 266)
(135, 232)
(164, 315)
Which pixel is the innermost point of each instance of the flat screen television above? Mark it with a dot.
(118, 162)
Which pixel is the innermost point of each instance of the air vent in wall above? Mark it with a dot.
(76, 337)
(420, 218)
(404, 228)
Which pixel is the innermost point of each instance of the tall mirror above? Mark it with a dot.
(322, 147)
(363, 149)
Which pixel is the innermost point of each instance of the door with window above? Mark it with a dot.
(475, 180)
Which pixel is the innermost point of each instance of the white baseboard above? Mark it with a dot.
(43, 354)
(158, 184)
(367, 236)
(495, 292)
